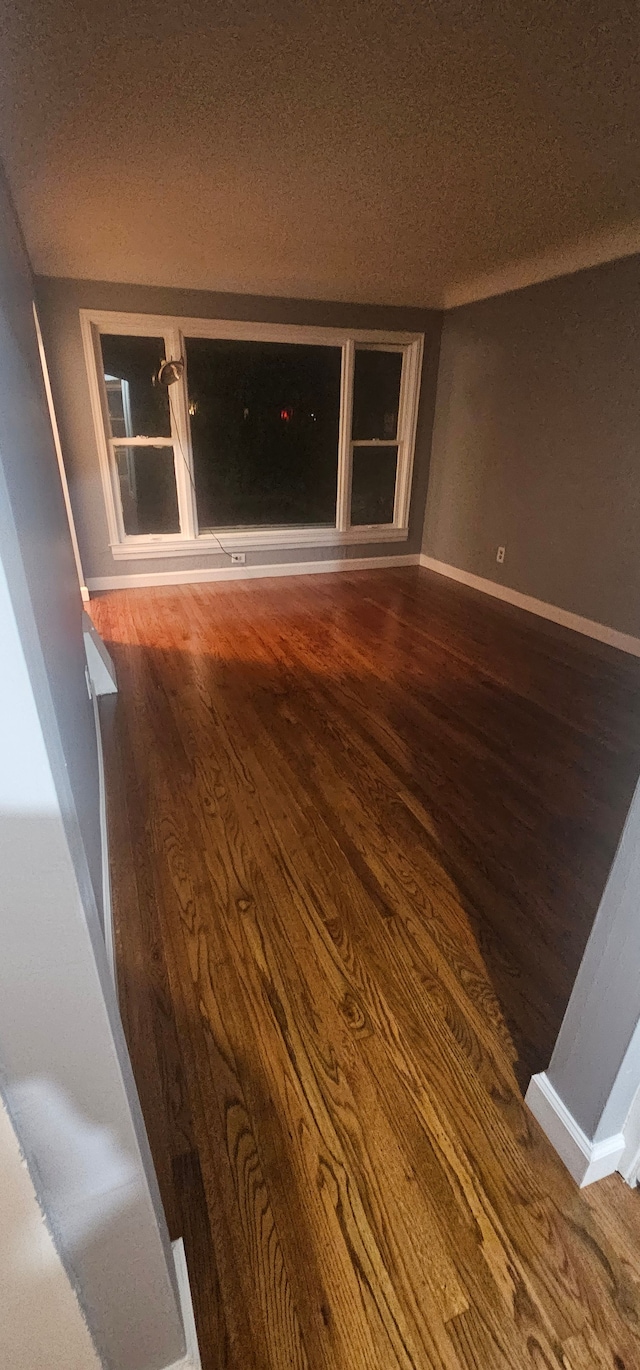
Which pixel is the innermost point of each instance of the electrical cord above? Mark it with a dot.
(176, 430)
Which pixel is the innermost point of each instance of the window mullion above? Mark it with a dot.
(343, 503)
(112, 448)
(174, 344)
(407, 422)
(142, 442)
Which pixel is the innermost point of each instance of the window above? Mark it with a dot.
(374, 456)
(270, 436)
(264, 432)
(138, 409)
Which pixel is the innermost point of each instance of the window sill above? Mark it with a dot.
(253, 539)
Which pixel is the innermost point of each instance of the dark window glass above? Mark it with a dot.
(137, 407)
(373, 485)
(264, 429)
(376, 394)
(148, 490)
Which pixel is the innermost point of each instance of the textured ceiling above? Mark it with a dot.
(422, 154)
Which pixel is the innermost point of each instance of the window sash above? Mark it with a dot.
(174, 331)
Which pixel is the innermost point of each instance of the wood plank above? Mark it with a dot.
(359, 830)
(213, 1333)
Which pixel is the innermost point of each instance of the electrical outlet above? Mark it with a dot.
(238, 558)
(500, 555)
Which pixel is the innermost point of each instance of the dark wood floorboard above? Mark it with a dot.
(360, 826)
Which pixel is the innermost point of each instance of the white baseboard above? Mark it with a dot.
(84, 593)
(624, 641)
(190, 1361)
(630, 1161)
(101, 680)
(99, 663)
(107, 908)
(286, 568)
(629, 1167)
(585, 1160)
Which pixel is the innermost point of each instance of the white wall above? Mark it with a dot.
(39, 559)
(41, 1325)
(595, 1067)
(64, 1065)
(63, 1059)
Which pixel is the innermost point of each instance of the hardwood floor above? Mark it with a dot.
(360, 825)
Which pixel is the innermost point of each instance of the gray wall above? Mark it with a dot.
(58, 304)
(47, 580)
(536, 443)
(64, 1067)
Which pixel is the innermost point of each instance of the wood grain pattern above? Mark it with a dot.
(360, 827)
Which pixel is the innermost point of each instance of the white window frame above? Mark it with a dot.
(189, 540)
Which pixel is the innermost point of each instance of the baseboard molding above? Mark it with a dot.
(585, 1160)
(629, 1167)
(84, 594)
(107, 909)
(142, 579)
(190, 1361)
(624, 641)
(99, 663)
(630, 1161)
